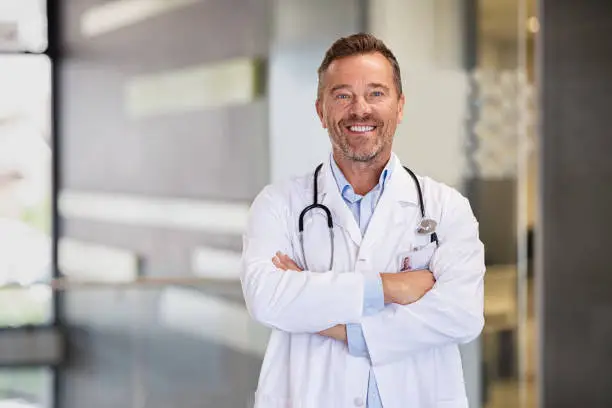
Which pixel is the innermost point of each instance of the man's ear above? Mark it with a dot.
(319, 108)
(400, 108)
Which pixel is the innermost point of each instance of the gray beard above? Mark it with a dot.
(348, 152)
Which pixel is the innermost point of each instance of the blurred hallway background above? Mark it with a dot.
(135, 133)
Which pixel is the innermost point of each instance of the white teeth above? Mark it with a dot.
(361, 128)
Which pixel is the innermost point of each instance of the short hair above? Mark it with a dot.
(359, 44)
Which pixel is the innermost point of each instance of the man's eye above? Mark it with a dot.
(342, 96)
(377, 93)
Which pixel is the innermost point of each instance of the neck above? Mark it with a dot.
(362, 176)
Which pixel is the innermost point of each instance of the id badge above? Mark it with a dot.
(416, 259)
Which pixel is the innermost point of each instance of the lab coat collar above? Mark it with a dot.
(331, 197)
(400, 187)
(397, 206)
(400, 192)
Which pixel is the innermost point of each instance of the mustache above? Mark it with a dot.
(354, 119)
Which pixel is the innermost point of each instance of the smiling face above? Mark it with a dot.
(359, 106)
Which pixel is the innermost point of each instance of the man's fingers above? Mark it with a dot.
(289, 262)
(283, 262)
(277, 262)
(280, 261)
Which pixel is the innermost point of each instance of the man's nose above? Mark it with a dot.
(360, 107)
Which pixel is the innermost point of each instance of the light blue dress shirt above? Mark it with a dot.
(362, 208)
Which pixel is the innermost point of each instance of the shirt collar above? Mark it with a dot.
(346, 190)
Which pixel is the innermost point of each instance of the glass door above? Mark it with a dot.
(503, 184)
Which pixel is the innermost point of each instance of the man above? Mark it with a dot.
(380, 326)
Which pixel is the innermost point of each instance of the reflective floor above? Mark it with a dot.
(505, 395)
(501, 350)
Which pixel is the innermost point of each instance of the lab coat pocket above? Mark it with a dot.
(449, 383)
(416, 259)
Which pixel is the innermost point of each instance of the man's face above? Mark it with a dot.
(359, 106)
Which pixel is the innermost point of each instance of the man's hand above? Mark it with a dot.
(282, 261)
(404, 288)
(337, 332)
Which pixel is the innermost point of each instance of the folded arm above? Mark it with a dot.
(401, 288)
(339, 331)
(280, 295)
(451, 312)
(291, 301)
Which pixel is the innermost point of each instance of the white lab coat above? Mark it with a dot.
(413, 349)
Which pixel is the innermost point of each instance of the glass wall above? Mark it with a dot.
(25, 189)
(26, 387)
(25, 196)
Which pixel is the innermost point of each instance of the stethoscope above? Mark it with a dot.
(427, 226)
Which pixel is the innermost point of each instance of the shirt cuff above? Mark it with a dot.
(356, 341)
(373, 295)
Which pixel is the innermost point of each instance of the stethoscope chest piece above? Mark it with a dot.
(427, 226)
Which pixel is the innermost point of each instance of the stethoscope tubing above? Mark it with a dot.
(328, 215)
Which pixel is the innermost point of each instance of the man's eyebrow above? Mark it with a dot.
(340, 86)
(370, 85)
(378, 85)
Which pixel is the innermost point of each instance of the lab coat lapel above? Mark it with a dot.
(341, 214)
(397, 206)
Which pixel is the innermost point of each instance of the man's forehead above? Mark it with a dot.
(374, 66)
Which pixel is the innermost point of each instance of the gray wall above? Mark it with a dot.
(122, 353)
(575, 282)
(105, 149)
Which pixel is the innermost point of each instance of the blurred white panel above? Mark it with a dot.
(218, 216)
(23, 25)
(427, 38)
(231, 82)
(113, 15)
(86, 261)
(216, 263)
(298, 141)
(220, 321)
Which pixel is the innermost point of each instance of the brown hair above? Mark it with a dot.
(358, 44)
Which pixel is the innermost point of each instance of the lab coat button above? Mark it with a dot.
(358, 402)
